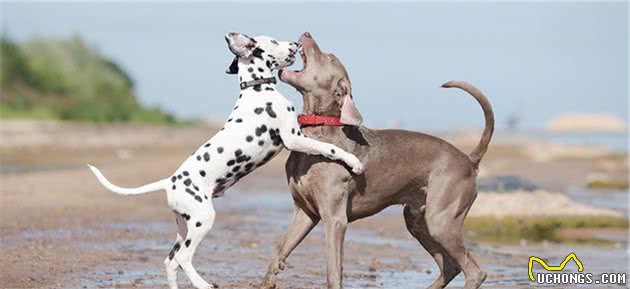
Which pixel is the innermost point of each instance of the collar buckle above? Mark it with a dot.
(246, 84)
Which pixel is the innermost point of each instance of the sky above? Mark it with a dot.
(537, 60)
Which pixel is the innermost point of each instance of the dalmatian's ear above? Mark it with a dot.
(240, 44)
(350, 115)
(233, 68)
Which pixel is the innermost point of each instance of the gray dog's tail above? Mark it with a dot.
(480, 150)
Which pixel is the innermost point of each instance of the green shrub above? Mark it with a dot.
(512, 229)
(68, 80)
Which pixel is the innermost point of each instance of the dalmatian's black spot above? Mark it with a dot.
(229, 175)
(205, 196)
(238, 152)
(239, 120)
(231, 162)
(240, 95)
(269, 156)
(202, 173)
(258, 110)
(299, 133)
(251, 69)
(176, 247)
(274, 42)
(174, 187)
(198, 224)
(292, 131)
(269, 89)
(179, 177)
(270, 111)
(235, 107)
(229, 120)
(196, 188)
(220, 181)
(173, 178)
(186, 217)
(261, 143)
(198, 199)
(275, 137)
(198, 157)
(260, 69)
(254, 76)
(190, 192)
(257, 87)
(206, 156)
(268, 63)
(187, 243)
(236, 168)
(249, 166)
(243, 158)
(251, 61)
(249, 138)
(187, 182)
(258, 52)
(288, 108)
(206, 145)
(332, 151)
(185, 173)
(260, 130)
(220, 149)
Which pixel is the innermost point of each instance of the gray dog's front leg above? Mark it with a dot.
(335, 219)
(335, 232)
(300, 227)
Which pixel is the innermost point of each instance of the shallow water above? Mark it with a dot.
(610, 199)
(235, 255)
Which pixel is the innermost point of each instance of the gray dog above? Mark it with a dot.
(434, 181)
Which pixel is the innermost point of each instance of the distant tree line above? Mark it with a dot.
(68, 80)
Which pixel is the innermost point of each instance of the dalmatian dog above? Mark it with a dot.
(261, 124)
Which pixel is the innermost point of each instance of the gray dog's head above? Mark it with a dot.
(323, 82)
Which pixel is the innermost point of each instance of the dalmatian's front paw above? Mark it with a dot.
(356, 165)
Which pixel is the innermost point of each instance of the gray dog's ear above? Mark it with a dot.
(350, 115)
(233, 68)
(240, 44)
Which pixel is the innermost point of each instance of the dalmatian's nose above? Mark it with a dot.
(293, 49)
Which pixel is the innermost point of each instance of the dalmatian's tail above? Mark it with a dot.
(152, 187)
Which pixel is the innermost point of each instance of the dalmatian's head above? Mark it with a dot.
(273, 53)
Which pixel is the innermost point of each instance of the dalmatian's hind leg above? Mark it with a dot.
(169, 262)
(199, 224)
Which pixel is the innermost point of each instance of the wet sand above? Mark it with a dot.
(61, 229)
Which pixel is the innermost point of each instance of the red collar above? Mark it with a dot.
(313, 119)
